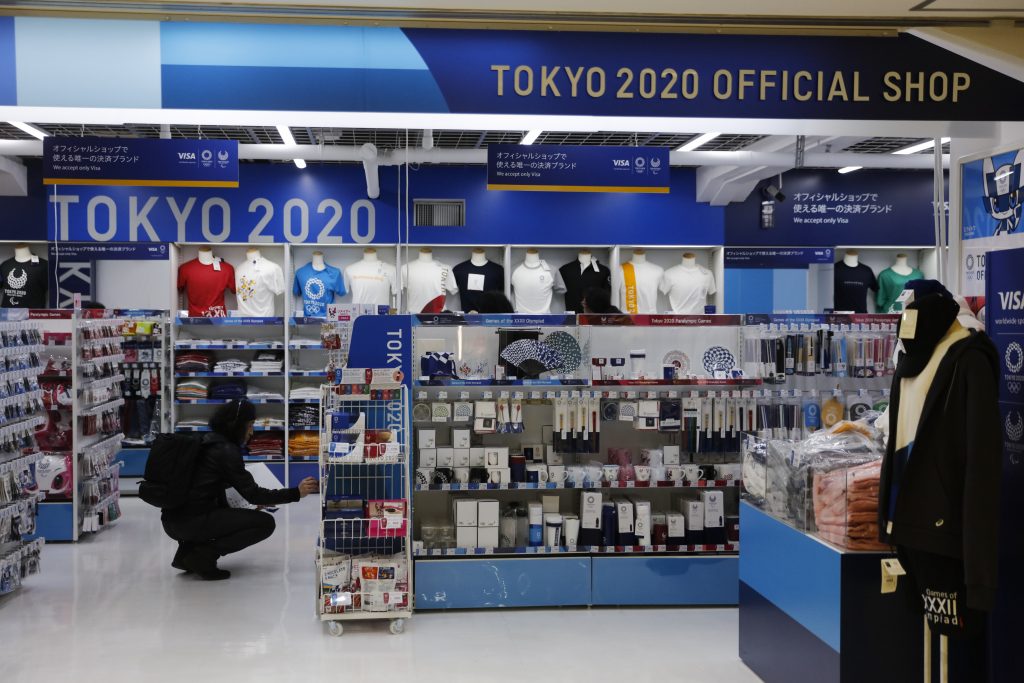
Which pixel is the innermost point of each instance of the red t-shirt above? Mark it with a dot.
(204, 288)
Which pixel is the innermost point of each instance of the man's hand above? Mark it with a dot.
(307, 486)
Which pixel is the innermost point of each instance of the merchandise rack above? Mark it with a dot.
(364, 561)
(97, 422)
(239, 336)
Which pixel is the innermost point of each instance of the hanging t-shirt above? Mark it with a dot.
(371, 282)
(318, 288)
(472, 281)
(204, 287)
(427, 283)
(638, 291)
(891, 285)
(688, 288)
(579, 278)
(257, 282)
(532, 288)
(23, 285)
(851, 287)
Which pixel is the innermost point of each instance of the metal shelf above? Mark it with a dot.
(582, 550)
(549, 486)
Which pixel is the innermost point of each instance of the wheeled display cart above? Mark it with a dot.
(364, 552)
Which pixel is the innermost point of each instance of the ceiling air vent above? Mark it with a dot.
(439, 213)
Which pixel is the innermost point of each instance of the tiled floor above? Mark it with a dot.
(111, 609)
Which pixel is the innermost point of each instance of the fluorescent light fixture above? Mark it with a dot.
(286, 135)
(919, 147)
(530, 137)
(698, 141)
(28, 128)
(850, 169)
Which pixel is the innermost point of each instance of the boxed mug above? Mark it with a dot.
(464, 511)
(426, 438)
(460, 438)
(477, 457)
(590, 510)
(676, 528)
(462, 457)
(428, 457)
(487, 514)
(642, 525)
(446, 457)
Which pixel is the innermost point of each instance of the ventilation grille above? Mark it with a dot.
(439, 213)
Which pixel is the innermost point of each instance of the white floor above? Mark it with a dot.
(111, 609)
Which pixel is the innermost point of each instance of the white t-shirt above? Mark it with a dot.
(533, 286)
(257, 282)
(688, 288)
(371, 282)
(424, 281)
(648, 277)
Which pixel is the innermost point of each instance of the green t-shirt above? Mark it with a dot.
(891, 285)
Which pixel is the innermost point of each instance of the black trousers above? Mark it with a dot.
(224, 530)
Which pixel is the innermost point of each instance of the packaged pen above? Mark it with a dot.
(839, 356)
(811, 413)
(790, 366)
(691, 424)
(706, 424)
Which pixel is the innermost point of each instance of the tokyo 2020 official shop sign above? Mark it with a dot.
(992, 200)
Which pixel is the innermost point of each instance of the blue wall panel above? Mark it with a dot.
(497, 582)
(789, 289)
(798, 574)
(748, 290)
(668, 580)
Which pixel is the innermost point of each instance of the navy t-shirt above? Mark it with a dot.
(851, 287)
(473, 281)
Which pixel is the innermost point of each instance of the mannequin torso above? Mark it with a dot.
(851, 260)
(478, 258)
(23, 254)
(901, 267)
(205, 256)
(318, 261)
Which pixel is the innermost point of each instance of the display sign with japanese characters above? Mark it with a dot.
(147, 162)
(563, 168)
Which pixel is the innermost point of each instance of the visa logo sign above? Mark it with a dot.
(1012, 301)
(187, 156)
(621, 162)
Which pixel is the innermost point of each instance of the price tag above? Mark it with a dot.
(421, 395)
(549, 394)
(518, 394)
(535, 394)
(442, 395)
(503, 394)
(673, 394)
(630, 394)
(892, 570)
(488, 395)
(463, 395)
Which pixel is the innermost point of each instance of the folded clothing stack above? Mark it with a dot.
(305, 393)
(846, 506)
(268, 361)
(192, 390)
(269, 423)
(228, 389)
(231, 365)
(304, 416)
(304, 444)
(192, 423)
(193, 361)
(270, 445)
(258, 394)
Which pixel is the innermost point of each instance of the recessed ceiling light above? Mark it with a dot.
(29, 128)
(919, 147)
(850, 169)
(530, 137)
(698, 141)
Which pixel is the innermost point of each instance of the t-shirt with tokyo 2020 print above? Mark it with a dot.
(204, 287)
(318, 288)
(23, 284)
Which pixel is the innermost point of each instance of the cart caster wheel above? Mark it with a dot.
(335, 628)
(397, 626)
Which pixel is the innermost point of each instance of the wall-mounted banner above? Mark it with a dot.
(555, 168)
(121, 251)
(825, 208)
(992, 201)
(766, 257)
(294, 67)
(278, 203)
(146, 162)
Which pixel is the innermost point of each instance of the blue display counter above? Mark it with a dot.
(503, 582)
(812, 612)
(55, 521)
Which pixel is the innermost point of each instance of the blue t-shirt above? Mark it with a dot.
(317, 288)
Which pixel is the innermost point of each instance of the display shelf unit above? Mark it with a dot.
(98, 350)
(364, 556)
(520, 575)
(878, 258)
(21, 361)
(241, 338)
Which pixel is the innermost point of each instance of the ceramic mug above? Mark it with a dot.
(674, 473)
(461, 475)
(570, 529)
(558, 474)
(693, 472)
(494, 475)
(658, 473)
(576, 474)
(643, 473)
(537, 474)
(610, 473)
